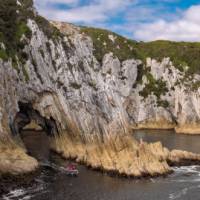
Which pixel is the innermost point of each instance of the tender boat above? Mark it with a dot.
(71, 170)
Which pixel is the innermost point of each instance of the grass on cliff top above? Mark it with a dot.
(181, 53)
(121, 47)
(15, 34)
(13, 27)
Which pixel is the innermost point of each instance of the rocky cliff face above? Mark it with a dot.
(166, 98)
(87, 100)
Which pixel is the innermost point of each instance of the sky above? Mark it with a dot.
(142, 20)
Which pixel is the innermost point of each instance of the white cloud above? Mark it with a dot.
(186, 28)
(145, 19)
(94, 11)
(47, 2)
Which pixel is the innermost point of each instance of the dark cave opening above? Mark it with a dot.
(36, 141)
(27, 114)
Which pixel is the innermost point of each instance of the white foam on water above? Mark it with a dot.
(18, 193)
(186, 174)
(24, 194)
(181, 193)
(193, 170)
(51, 165)
(153, 180)
(26, 198)
(187, 169)
(178, 194)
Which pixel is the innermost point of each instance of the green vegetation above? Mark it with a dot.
(12, 28)
(13, 25)
(156, 87)
(182, 54)
(121, 47)
(3, 54)
(195, 86)
(22, 29)
(163, 103)
(93, 84)
(42, 52)
(75, 85)
(27, 3)
(50, 31)
(24, 70)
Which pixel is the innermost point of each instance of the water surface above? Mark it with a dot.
(170, 139)
(54, 184)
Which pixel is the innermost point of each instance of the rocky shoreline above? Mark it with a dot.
(137, 160)
(14, 160)
(127, 159)
(119, 155)
(193, 129)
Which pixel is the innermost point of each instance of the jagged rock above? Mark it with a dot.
(14, 160)
(183, 157)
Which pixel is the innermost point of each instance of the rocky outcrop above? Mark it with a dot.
(123, 156)
(183, 157)
(120, 155)
(14, 160)
(86, 104)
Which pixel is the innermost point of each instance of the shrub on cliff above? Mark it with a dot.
(12, 28)
(105, 41)
(181, 53)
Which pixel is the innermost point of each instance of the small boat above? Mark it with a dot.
(71, 170)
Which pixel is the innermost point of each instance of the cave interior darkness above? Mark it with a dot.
(36, 142)
(27, 114)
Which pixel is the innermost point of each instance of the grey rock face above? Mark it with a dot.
(67, 84)
(177, 106)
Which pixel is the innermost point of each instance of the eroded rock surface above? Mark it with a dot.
(14, 160)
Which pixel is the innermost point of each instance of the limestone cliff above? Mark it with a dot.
(87, 93)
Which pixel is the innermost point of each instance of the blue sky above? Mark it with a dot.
(146, 20)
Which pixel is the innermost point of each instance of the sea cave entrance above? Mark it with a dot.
(34, 130)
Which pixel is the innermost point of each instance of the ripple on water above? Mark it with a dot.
(25, 193)
(183, 192)
(186, 174)
(19, 194)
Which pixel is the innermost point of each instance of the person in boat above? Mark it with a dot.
(71, 167)
(72, 170)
